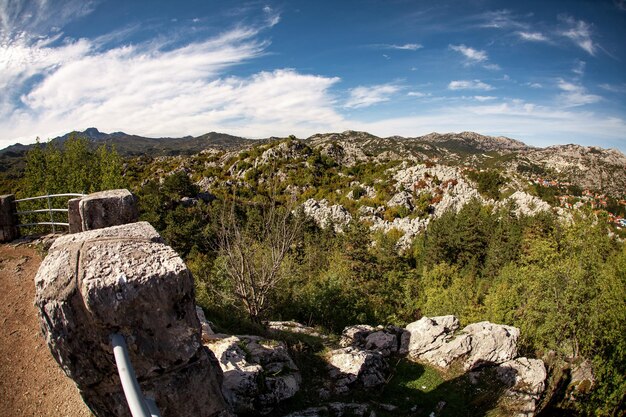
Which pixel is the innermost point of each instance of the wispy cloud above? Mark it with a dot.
(579, 67)
(533, 85)
(614, 88)
(475, 56)
(40, 17)
(485, 98)
(575, 95)
(532, 36)
(579, 32)
(469, 85)
(471, 55)
(500, 19)
(365, 96)
(272, 16)
(156, 92)
(398, 47)
(417, 94)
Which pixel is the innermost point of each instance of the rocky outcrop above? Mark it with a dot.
(292, 327)
(428, 333)
(526, 379)
(352, 367)
(527, 204)
(384, 340)
(433, 340)
(124, 280)
(258, 373)
(325, 215)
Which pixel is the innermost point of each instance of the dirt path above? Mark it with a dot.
(31, 382)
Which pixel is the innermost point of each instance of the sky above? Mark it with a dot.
(544, 72)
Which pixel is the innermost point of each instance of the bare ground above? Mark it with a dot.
(31, 382)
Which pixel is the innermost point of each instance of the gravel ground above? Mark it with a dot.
(31, 382)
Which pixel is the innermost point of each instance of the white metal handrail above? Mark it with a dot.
(49, 210)
(139, 405)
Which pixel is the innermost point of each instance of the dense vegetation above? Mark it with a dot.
(562, 282)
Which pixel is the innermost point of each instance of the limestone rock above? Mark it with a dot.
(355, 335)
(325, 215)
(526, 379)
(491, 343)
(527, 204)
(107, 208)
(124, 280)
(258, 373)
(351, 367)
(207, 330)
(383, 342)
(478, 344)
(427, 334)
(293, 327)
(401, 199)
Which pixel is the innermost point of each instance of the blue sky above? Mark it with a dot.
(544, 72)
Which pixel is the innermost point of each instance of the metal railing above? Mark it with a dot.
(49, 210)
(139, 405)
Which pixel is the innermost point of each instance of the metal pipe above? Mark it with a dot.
(41, 211)
(51, 195)
(135, 399)
(43, 224)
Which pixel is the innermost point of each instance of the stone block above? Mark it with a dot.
(108, 208)
(73, 215)
(8, 219)
(125, 280)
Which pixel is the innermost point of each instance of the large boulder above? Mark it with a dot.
(258, 373)
(104, 209)
(125, 280)
(490, 343)
(428, 333)
(434, 340)
(352, 367)
(526, 379)
(384, 340)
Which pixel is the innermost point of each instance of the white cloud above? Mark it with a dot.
(534, 85)
(363, 96)
(472, 55)
(147, 91)
(579, 68)
(469, 85)
(484, 98)
(406, 46)
(614, 88)
(575, 95)
(580, 33)
(492, 67)
(532, 36)
(40, 17)
(417, 94)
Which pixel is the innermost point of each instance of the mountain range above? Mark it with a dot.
(589, 167)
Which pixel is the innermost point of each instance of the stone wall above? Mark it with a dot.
(125, 280)
(8, 219)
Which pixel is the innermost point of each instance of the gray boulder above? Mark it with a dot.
(351, 367)
(428, 333)
(124, 280)
(433, 340)
(258, 373)
(102, 209)
(526, 379)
